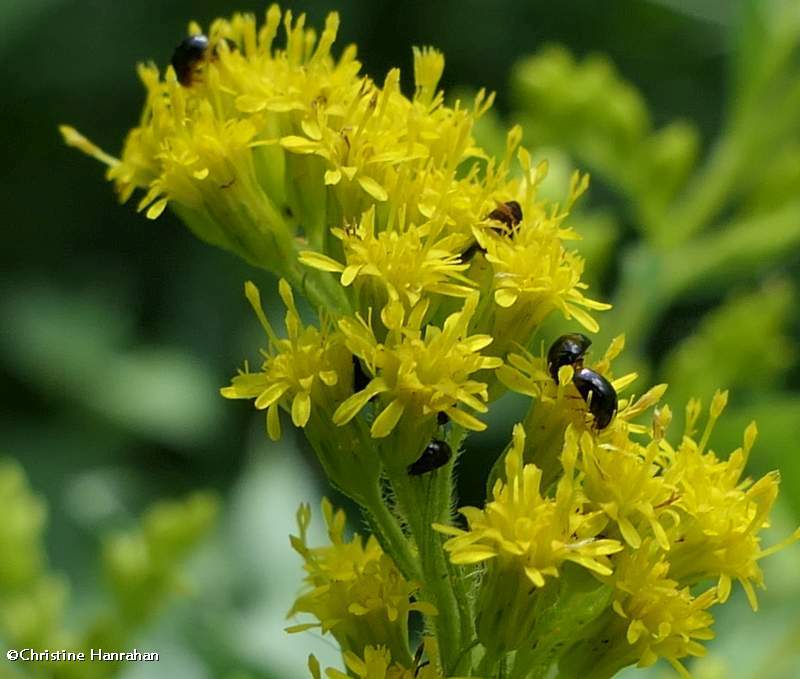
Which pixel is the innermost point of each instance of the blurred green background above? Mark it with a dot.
(116, 332)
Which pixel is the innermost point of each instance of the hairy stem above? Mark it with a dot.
(390, 534)
(425, 500)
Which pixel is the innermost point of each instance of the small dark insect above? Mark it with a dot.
(418, 663)
(187, 55)
(600, 396)
(509, 213)
(567, 350)
(471, 251)
(442, 418)
(360, 378)
(436, 454)
(420, 666)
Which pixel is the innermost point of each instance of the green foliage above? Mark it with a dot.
(142, 565)
(704, 230)
(589, 110)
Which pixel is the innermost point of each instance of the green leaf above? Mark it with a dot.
(565, 616)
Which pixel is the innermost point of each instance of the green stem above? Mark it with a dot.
(749, 137)
(319, 288)
(525, 667)
(387, 529)
(488, 664)
(425, 500)
(708, 191)
(465, 613)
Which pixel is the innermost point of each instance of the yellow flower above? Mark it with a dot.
(269, 147)
(526, 538)
(557, 406)
(720, 514)
(657, 618)
(308, 374)
(418, 373)
(623, 480)
(375, 663)
(355, 591)
(522, 528)
(533, 274)
(395, 268)
(652, 616)
(302, 369)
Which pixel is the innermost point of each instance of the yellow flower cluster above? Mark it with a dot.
(355, 591)
(376, 663)
(269, 151)
(525, 537)
(649, 519)
(431, 266)
(308, 361)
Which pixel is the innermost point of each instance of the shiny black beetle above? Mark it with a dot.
(436, 454)
(600, 396)
(360, 377)
(567, 350)
(187, 55)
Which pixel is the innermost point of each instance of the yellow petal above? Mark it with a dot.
(349, 274)
(387, 420)
(273, 422)
(296, 144)
(474, 555)
(505, 297)
(250, 103)
(301, 409)
(271, 394)
(373, 188)
(466, 420)
(350, 408)
(572, 311)
(155, 210)
(321, 262)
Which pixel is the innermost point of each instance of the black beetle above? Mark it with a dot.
(360, 378)
(187, 55)
(600, 396)
(442, 418)
(436, 454)
(471, 251)
(567, 350)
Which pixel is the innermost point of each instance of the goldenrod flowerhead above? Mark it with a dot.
(355, 591)
(523, 529)
(653, 617)
(375, 662)
(623, 480)
(417, 373)
(308, 374)
(394, 268)
(533, 273)
(526, 537)
(298, 371)
(557, 406)
(720, 515)
(267, 143)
